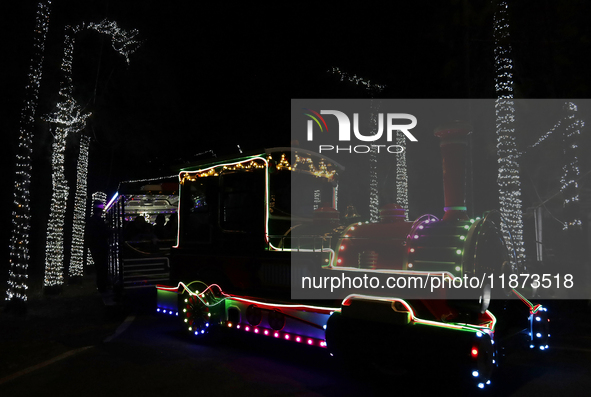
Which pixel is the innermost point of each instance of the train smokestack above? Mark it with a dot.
(454, 145)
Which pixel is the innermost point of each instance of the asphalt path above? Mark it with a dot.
(134, 351)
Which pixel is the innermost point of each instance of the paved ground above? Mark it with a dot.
(72, 345)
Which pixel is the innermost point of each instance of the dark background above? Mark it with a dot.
(210, 77)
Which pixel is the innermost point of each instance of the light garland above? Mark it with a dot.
(123, 41)
(372, 87)
(508, 175)
(401, 175)
(70, 119)
(77, 259)
(374, 201)
(569, 186)
(21, 214)
(102, 197)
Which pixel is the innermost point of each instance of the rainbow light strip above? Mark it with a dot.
(532, 309)
(487, 326)
(316, 120)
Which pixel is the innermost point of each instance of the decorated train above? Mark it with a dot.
(248, 224)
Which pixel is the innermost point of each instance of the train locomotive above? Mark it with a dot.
(245, 224)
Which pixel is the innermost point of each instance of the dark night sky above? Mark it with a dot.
(214, 76)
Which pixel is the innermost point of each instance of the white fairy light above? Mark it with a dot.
(372, 87)
(569, 186)
(374, 201)
(508, 174)
(77, 259)
(401, 174)
(123, 41)
(21, 214)
(69, 118)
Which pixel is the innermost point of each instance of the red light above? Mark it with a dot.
(309, 341)
(412, 250)
(474, 352)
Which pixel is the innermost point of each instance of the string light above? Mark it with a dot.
(373, 89)
(569, 186)
(401, 174)
(508, 175)
(69, 119)
(102, 197)
(77, 259)
(123, 41)
(21, 214)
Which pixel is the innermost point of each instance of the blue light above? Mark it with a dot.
(158, 309)
(479, 334)
(481, 385)
(488, 382)
(538, 319)
(531, 346)
(541, 347)
(539, 335)
(170, 312)
(475, 374)
(546, 346)
(207, 324)
(202, 331)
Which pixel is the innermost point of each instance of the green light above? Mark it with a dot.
(471, 220)
(467, 227)
(459, 252)
(462, 237)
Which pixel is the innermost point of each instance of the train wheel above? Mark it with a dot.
(196, 314)
(483, 360)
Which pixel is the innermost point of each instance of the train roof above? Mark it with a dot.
(298, 156)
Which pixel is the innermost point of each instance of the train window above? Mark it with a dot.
(242, 201)
(196, 212)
